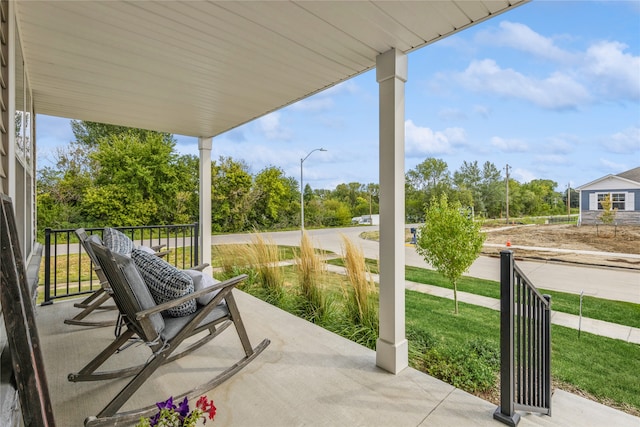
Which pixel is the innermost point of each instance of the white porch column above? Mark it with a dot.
(204, 147)
(392, 349)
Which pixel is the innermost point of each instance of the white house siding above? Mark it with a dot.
(17, 180)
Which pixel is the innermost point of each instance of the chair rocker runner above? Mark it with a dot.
(162, 334)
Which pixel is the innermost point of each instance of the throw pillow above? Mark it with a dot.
(165, 282)
(140, 290)
(117, 241)
(201, 281)
(146, 249)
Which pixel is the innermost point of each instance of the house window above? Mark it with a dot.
(617, 200)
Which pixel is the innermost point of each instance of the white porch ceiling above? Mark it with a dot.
(201, 68)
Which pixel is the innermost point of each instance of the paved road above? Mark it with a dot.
(608, 283)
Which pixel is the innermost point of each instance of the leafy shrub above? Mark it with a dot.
(471, 366)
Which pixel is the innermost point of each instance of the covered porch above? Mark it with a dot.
(307, 376)
(201, 69)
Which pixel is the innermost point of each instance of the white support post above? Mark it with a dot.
(204, 147)
(392, 349)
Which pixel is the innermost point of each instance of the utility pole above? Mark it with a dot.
(568, 199)
(507, 168)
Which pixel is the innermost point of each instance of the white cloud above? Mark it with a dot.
(561, 144)
(523, 38)
(557, 91)
(452, 114)
(614, 74)
(348, 87)
(482, 110)
(509, 145)
(602, 71)
(555, 159)
(314, 104)
(324, 101)
(422, 140)
(613, 167)
(272, 129)
(625, 142)
(523, 175)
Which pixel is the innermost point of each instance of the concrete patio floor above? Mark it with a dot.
(306, 377)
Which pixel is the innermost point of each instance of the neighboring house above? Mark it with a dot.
(623, 190)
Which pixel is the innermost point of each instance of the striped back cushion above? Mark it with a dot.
(117, 241)
(165, 282)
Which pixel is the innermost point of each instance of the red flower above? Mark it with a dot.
(206, 406)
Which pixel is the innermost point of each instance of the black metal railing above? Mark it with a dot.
(68, 270)
(525, 345)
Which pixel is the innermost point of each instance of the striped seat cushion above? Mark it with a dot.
(165, 282)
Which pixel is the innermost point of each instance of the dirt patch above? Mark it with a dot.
(620, 239)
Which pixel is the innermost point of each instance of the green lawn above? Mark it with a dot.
(624, 313)
(603, 367)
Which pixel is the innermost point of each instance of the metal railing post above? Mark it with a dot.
(47, 267)
(196, 246)
(505, 413)
(547, 353)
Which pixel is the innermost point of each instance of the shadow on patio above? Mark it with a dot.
(307, 376)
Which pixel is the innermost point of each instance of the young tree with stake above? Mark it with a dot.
(450, 240)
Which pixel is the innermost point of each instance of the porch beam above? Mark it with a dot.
(204, 148)
(392, 350)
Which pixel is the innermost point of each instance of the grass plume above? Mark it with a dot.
(264, 257)
(315, 305)
(231, 258)
(361, 307)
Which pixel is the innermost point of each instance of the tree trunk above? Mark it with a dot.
(455, 296)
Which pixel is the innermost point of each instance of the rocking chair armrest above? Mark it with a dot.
(229, 283)
(199, 267)
(162, 254)
(156, 248)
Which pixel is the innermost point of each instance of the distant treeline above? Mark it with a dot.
(118, 176)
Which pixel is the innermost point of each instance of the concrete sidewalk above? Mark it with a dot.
(592, 326)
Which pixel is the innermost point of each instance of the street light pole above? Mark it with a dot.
(302, 189)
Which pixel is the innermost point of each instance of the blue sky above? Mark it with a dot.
(551, 88)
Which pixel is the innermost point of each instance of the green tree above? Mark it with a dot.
(450, 240)
(492, 190)
(90, 133)
(188, 197)
(135, 181)
(274, 194)
(539, 196)
(429, 179)
(61, 189)
(336, 213)
(429, 174)
(468, 179)
(353, 195)
(232, 199)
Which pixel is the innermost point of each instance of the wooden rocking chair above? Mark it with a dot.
(96, 300)
(162, 334)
